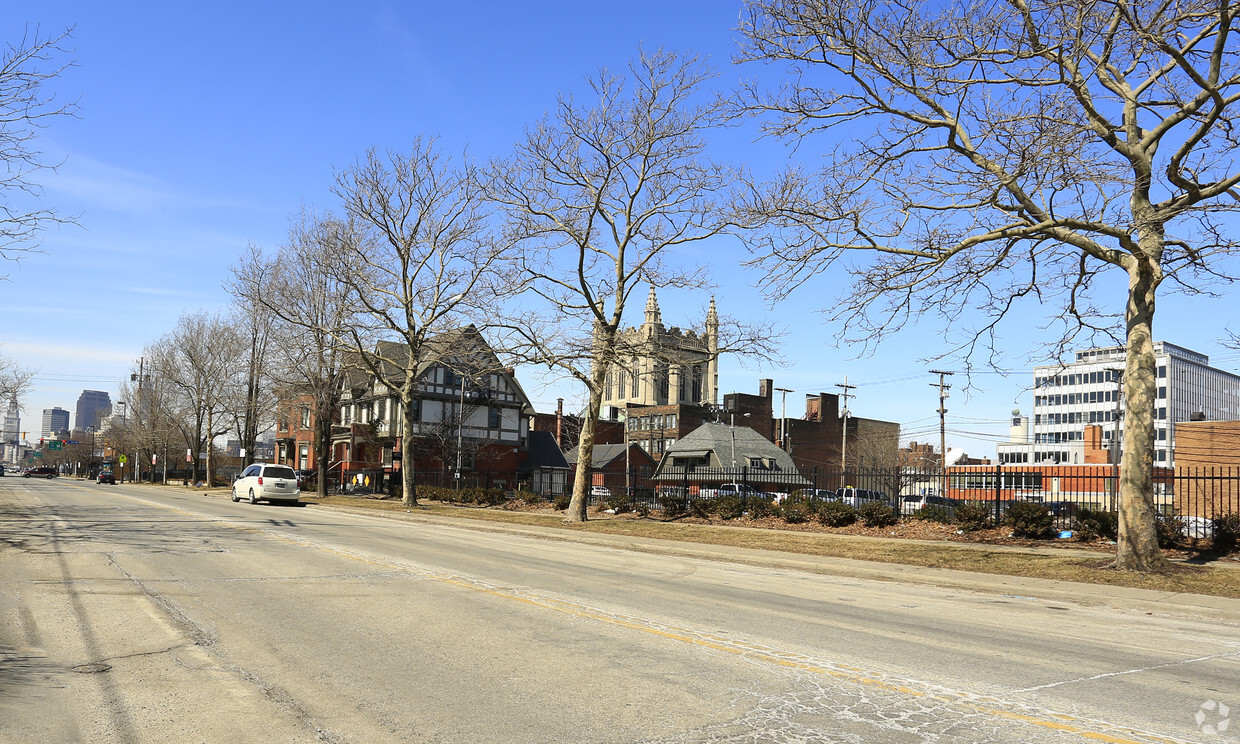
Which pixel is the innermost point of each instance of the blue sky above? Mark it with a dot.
(204, 127)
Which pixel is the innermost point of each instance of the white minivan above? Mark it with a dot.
(264, 482)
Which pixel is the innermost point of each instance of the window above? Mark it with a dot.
(303, 457)
(1162, 370)
(495, 417)
(305, 417)
(1162, 391)
(669, 421)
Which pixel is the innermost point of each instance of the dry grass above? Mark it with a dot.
(1218, 581)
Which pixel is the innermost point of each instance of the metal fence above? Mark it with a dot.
(1198, 495)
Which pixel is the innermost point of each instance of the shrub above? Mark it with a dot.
(876, 514)
(759, 508)
(794, 512)
(702, 508)
(531, 498)
(1030, 519)
(1169, 528)
(561, 501)
(1226, 533)
(620, 503)
(934, 513)
(973, 515)
(836, 514)
(1092, 524)
(729, 506)
(673, 506)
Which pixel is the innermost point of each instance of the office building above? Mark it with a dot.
(10, 438)
(1070, 397)
(55, 421)
(93, 406)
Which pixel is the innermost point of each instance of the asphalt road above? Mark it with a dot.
(131, 614)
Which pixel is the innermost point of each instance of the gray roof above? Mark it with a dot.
(463, 350)
(603, 455)
(715, 442)
(544, 452)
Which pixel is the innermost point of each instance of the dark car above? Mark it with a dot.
(106, 476)
(41, 472)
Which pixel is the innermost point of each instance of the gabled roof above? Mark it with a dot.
(715, 441)
(543, 452)
(606, 454)
(462, 350)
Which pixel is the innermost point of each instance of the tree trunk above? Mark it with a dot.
(585, 448)
(322, 444)
(210, 454)
(407, 398)
(1138, 539)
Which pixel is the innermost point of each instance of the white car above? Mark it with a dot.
(264, 482)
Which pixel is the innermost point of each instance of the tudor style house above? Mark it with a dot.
(471, 414)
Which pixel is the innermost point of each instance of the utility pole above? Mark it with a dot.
(844, 417)
(943, 388)
(783, 418)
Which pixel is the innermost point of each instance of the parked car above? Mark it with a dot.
(743, 490)
(43, 471)
(913, 504)
(855, 497)
(106, 476)
(1, 470)
(306, 479)
(266, 482)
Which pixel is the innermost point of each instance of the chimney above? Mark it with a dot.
(765, 388)
(559, 422)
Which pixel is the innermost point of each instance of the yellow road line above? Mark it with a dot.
(1045, 719)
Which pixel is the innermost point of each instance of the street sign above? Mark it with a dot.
(54, 444)
(123, 459)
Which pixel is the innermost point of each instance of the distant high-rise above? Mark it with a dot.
(55, 420)
(12, 431)
(92, 407)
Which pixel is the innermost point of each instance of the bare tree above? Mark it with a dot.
(600, 195)
(26, 106)
(303, 295)
(195, 360)
(15, 381)
(425, 257)
(253, 278)
(995, 154)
